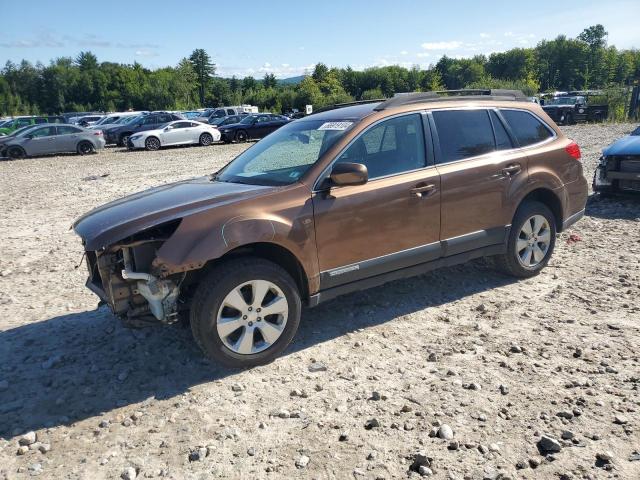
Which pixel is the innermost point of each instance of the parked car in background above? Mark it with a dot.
(114, 119)
(53, 138)
(253, 127)
(180, 132)
(339, 201)
(569, 109)
(151, 121)
(4, 139)
(222, 112)
(619, 168)
(72, 117)
(19, 122)
(192, 114)
(89, 120)
(222, 121)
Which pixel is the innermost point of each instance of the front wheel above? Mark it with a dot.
(206, 139)
(16, 153)
(245, 312)
(152, 143)
(531, 241)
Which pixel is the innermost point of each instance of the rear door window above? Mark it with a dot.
(67, 130)
(503, 142)
(463, 134)
(526, 127)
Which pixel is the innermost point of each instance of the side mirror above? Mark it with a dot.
(343, 174)
(168, 127)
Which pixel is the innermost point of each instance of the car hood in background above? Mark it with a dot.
(629, 145)
(122, 218)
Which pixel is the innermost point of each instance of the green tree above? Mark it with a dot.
(205, 69)
(269, 80)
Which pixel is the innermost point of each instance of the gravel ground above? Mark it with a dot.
(460, 373)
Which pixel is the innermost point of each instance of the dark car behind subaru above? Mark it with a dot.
(121, 134)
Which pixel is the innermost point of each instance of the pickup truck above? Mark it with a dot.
(570, 109)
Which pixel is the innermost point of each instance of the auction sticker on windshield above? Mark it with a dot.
(335, 125)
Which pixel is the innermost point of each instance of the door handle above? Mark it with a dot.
(423, 190)
(513, 169)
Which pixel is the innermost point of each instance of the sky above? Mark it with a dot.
(286, 38)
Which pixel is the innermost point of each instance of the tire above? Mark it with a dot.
(512, 262)
(16, 153)
(123, 140)
(206, 139)
(152, 143)
(207, 309)
(569, 119)
(85, 148)
(241, 136)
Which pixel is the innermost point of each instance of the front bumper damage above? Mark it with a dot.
(617, 174)
(115, 278)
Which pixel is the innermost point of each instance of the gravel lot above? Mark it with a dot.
(461, 373)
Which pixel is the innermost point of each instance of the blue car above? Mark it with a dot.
(619, 168)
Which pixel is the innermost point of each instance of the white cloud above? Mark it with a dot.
(508, 34)
(452, 45)
(423, 54)
(484, 35)
(404, 52)
(146, 53)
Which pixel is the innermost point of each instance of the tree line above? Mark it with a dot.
(84, 84)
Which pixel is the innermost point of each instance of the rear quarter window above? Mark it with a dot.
(527, 129)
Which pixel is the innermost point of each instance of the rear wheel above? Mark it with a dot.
(85, 148)
(206, 139)
(124, 139)
(152, 143)
(531, 241)
(16, 152)
(241, 136)
(245, 312)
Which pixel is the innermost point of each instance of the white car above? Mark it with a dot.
(178, 132)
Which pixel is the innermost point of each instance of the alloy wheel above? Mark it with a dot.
(152, 143)
(252, 317)
(533, 241)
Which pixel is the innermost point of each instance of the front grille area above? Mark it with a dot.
(630, 164)
(631, 185)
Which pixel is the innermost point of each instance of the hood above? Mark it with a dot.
(122, 218)
(629, 145)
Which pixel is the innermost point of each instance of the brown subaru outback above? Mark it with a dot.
(338, 201)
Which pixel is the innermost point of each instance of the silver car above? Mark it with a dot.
(52, 138)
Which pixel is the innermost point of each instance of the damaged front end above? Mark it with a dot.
(123, 275)
(617, 174)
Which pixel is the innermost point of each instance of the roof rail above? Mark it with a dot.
(348, 104)
(464, 94)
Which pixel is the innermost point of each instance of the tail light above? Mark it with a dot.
(574, 150)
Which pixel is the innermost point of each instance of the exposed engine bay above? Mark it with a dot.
(124, 277)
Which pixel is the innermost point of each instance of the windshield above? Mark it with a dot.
(564, 101)
(129, 119)
(284, 156)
